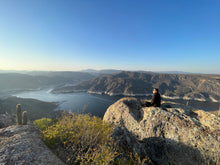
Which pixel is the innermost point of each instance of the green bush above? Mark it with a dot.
(43, 123)
(81, 139)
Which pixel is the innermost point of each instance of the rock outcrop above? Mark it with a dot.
(6, 120)
(22, 145)
(168, 135)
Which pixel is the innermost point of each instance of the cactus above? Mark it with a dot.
(18, 114)
(187, 103)
(24, 118)
(219, 111)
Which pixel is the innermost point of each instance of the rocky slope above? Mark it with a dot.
(168, 135)
(6, 120)
(22, 145)
(201, 87)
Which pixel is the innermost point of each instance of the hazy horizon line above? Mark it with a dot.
(97, 70)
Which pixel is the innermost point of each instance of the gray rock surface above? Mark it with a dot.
(167, 136)
(22, 145)
(6, 120)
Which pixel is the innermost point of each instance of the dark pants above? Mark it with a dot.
(148, 104)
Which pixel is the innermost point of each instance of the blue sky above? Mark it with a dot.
(154, 35)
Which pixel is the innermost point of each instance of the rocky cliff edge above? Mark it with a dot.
(21, 144)
(168, 135)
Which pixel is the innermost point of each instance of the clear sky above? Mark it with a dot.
(153, 35)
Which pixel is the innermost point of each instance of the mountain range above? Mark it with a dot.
(187, 86)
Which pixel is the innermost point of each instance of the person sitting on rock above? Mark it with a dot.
(156, 99)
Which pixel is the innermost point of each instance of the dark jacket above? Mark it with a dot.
(156, 100)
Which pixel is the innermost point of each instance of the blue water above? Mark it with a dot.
(75, 102)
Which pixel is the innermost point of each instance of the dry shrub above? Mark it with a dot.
(81, 139)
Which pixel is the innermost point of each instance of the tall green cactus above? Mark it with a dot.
(24, 118)
(19, 114)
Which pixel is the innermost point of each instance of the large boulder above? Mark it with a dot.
(22, 145)
(170, 135)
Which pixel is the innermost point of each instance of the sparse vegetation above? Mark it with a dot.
(79, 139)
(83, 139)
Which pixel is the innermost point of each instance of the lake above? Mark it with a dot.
(97, 104)
(76, 102)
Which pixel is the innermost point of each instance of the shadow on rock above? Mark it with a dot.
(176, 135)
(159, 150)
(135, 109)
(167, 151)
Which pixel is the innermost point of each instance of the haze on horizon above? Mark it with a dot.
(127, 35)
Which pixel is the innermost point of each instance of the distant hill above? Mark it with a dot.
(33, 80)
(174, 72)
(112, 71)
(201, 87)
(100, 72)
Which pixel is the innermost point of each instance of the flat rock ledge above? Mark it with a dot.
(21, 144)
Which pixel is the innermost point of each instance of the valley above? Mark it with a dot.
(86, 93)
